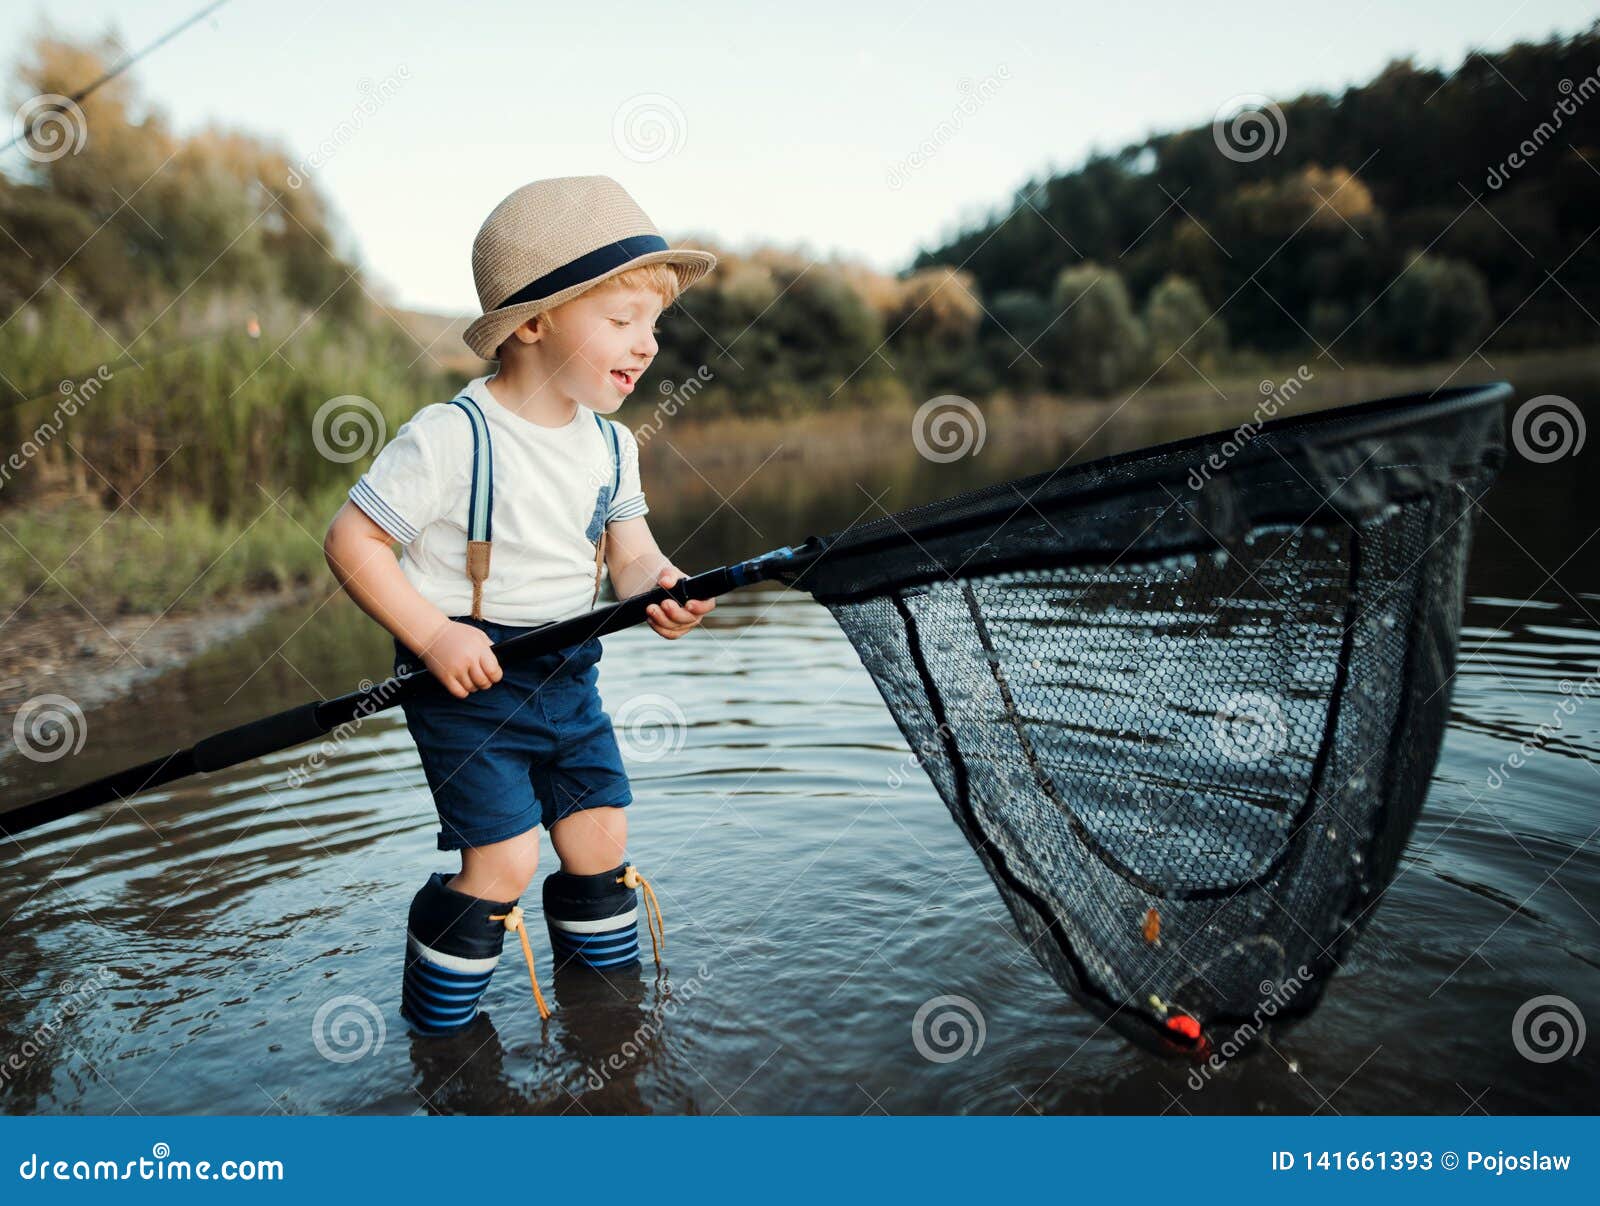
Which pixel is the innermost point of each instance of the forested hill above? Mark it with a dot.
(1299, 223)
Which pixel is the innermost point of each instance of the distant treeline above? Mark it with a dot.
(1408, 219)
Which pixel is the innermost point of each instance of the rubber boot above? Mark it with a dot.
(452, 947)
(593, 919)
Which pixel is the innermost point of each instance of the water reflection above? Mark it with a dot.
(816, 892)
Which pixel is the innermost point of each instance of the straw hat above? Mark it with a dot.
(551, 240)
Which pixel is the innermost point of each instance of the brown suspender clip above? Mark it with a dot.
(478, 571)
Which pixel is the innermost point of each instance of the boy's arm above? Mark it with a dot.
(637, 564)
(633, 558)
(358, 553)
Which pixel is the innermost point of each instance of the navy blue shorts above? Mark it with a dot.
(528, 751)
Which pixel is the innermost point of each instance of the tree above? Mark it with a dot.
(1438, 307)
(1097, 342)
(1183, 329)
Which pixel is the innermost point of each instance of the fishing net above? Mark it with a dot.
(1185, 703)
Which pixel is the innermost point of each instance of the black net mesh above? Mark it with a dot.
(1185, 703)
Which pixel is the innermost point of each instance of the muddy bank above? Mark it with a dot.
(91, 661)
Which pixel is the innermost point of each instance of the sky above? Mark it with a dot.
(852, 129)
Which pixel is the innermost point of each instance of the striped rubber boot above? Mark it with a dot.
(452, 947)
(593, 919)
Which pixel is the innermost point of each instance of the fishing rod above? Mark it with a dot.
(293, 726)
(116, 70)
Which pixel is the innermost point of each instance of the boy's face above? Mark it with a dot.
(604, 341)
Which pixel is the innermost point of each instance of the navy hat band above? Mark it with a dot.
(586, 267)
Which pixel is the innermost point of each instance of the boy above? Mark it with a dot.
(571, 275)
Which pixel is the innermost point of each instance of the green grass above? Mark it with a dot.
(71, 551)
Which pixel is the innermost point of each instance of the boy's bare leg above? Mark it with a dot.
(592, 916)
(500, 870)
(591, 840)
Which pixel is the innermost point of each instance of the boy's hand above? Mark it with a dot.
(672, 619)
(462, 658)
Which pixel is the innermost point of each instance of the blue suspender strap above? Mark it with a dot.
(480, 501)
(608, 431)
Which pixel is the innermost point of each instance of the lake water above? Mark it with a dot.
(233, 944)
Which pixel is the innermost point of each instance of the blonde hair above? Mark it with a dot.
(660, 279)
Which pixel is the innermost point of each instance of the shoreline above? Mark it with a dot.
(68, 652)
(92, 663)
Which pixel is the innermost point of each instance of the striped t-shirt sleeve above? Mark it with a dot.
(401, 491)
(629, 502)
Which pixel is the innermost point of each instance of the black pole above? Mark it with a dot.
(282, 730)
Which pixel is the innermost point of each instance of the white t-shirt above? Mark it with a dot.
(551, 485)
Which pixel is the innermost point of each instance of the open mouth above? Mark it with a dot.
(621, 378)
